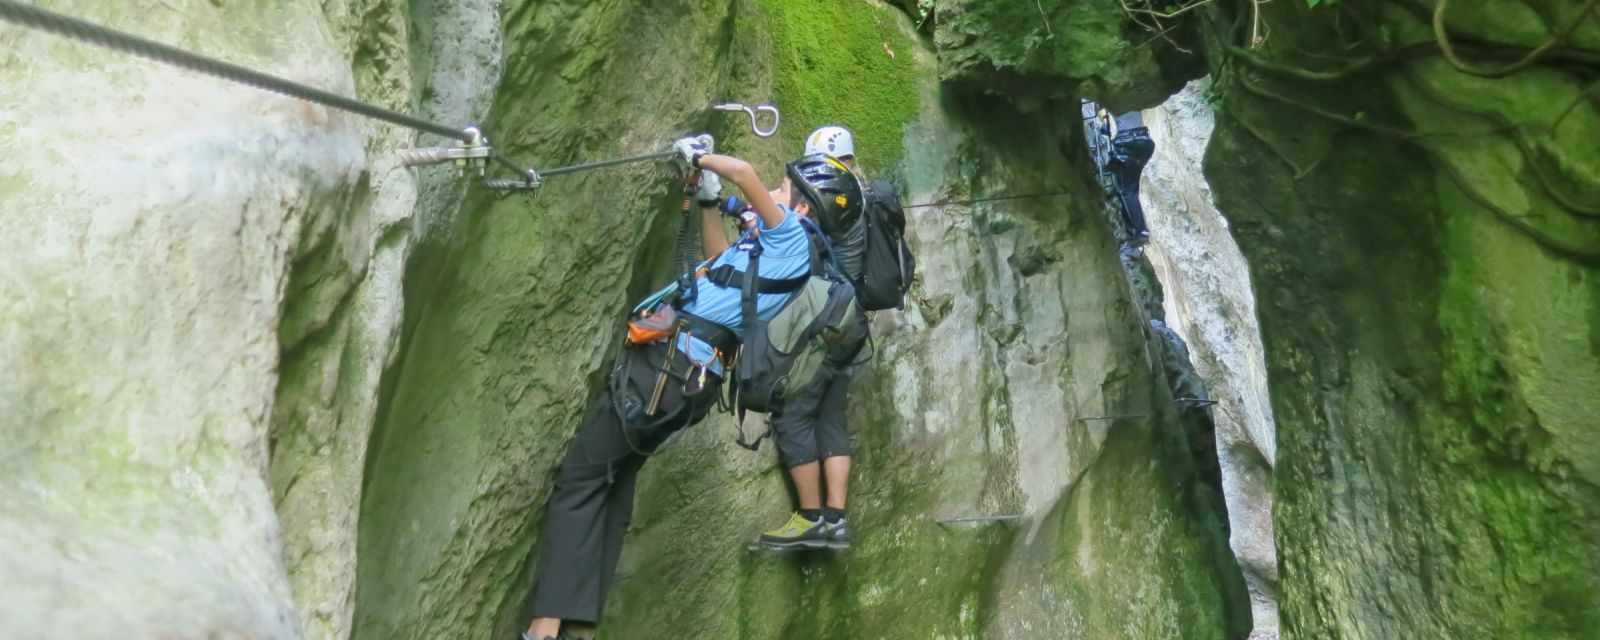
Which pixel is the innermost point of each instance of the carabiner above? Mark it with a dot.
(755, 122)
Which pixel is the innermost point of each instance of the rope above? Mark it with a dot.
(89, 32)
(947, 203)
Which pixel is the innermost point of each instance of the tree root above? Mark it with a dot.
(1545, 240)
(1441, 36)
(1550, 243)
(1521, 134)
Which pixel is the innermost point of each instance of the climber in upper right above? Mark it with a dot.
(1131, 148)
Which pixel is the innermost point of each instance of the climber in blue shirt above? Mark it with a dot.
(666, 379)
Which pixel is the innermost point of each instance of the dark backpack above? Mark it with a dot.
(784, 353)
(887, 265)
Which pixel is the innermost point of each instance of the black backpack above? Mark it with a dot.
(887, 265)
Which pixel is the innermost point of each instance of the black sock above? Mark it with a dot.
(811, 514)
(833, 516)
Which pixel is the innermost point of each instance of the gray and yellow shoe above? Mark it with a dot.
(838, 534)
(797, 532)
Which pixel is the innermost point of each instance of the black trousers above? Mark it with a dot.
(812, 426)
(592, 503)
(1131, 150)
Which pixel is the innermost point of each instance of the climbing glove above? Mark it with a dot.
(690, 149)
(710, 192)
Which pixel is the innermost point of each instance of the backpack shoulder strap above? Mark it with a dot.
(727, 276)
(820, 245)
(747, 293)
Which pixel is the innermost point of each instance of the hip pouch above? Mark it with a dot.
(652, 326)
(656, 390)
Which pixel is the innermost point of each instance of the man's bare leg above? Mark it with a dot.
(542, 628)
(837, 468)
(808, 484)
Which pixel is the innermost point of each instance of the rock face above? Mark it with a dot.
(180, 255)
(1424, 244)
(268, 384)
(343, 320)
(990, 396)
(1051, 51)
(1209, 301)
(260, 382)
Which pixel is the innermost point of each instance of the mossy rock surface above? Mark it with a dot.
(1428, 277)
(517, 311)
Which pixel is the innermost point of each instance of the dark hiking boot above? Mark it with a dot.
(838, 534)
(798, 532)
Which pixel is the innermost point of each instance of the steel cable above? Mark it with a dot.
(955, 203)
(70, 27)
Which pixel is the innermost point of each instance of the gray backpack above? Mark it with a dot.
(786, 352)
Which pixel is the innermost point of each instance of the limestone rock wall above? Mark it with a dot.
(1036, 52)
(1210, 302)
(1022, 327)
(344, 312)
(267, 384)
(179, 254)
(1423, 244)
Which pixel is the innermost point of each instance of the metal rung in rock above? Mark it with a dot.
(1131, 415)
(967, 519)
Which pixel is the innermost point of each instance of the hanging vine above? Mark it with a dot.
(1366, 48)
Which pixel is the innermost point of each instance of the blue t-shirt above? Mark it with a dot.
(785, 253)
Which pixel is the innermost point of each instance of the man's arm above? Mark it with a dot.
(713, 235)
(744, 176)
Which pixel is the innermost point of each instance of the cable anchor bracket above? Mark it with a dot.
(473, 150)
(755, 116)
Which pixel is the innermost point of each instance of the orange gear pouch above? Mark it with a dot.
(653, 326)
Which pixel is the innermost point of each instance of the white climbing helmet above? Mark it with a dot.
(833, 140)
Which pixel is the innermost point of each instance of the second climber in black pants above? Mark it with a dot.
(811, 433)
(1131, 149)
(667, 379)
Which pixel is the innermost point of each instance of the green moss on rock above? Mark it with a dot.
(1426, 307)
(844, 62)
(1036, 51)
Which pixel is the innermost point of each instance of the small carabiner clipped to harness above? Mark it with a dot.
(755, 120)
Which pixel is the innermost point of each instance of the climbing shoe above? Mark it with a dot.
(838, 533)
(798, 532)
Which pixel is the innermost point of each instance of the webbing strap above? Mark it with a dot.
(727, 276)
(817, 237)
